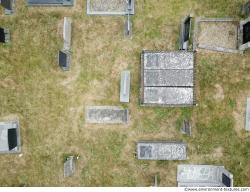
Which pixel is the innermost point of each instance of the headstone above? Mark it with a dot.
(50, 2)
(8, 5)
(10, 137)
(160, 150)
(247, 126)
(64, 59)
(69, 166)
(106, 114)
(245, 9)
(125, 87)
(186, 127)
(67, 33)
(4, 35)
(185, 33)
(128, 27)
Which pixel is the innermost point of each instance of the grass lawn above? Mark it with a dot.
(50, 103)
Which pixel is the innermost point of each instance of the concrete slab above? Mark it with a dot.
(69, 167)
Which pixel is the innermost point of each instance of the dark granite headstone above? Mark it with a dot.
(245, 9)
(246, 33)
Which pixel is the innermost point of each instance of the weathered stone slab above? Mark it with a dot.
(4, 35)
(67, 33)
(50, 2)
(168, 60)
(168, 96)
(203, 176)
(69, 166)
(247, 126)
(150, 150)
(106, 114)
(10, 137)
(125, 87)
(110, 7)
(186, 128)
(173, 78)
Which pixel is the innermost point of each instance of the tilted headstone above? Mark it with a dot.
(4, 35)
(161, 150)
(125, 87)
(10, 137)
(67, 33)
(64, 59)
(69, 166)
(247, 126)
(245, 9)
(128, 27)
(244, 36)
(186, 127)
(8, 5)
(185, 33)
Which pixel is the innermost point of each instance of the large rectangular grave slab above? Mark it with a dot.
(167, 78)
(247, 125)
(106, 115)
(110, 7)
(50, 2)
(203, 176)
(125, 87)
(10, 137)
(154, 150)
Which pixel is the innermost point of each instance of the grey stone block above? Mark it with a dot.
(247, 125)
(69, 166)
(154, 150)
(106, 114)
(50, 2)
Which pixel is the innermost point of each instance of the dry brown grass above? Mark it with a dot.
(50, 103)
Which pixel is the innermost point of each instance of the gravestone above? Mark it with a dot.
(203, 176)
(247, 125)
(8, 5)
(4, 35)
(10, 137)
(186, 127)
(161, 150)
(244, 35)
(50, 2)
(67, 33)
(125, 87)
(106, 114)
(69, 166)
(64, 59)
(245, 10)
(185, 33)
(128, 27)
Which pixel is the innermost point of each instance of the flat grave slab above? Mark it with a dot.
(106, 114)
(203, 176)
(50, 2)
(167, 78)
(154, 150)
(110, 7)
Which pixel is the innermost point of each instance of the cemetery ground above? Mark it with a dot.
(50, 103)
